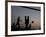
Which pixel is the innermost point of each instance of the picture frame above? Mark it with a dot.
(8, 20)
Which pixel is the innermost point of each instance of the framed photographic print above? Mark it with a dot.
(25, 18)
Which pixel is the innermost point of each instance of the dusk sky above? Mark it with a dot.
(33, 15)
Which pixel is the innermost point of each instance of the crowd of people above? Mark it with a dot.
(18, 27)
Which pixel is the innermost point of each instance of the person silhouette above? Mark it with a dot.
(17, 24)
(13, 27)
(30, 25)
(26, 21)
